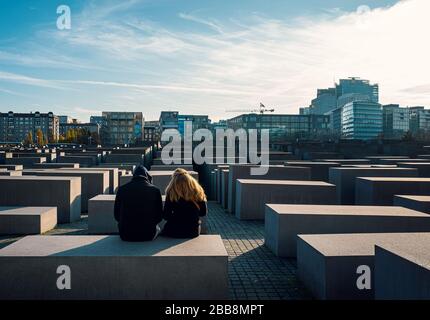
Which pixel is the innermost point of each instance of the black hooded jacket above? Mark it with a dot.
(138, 207)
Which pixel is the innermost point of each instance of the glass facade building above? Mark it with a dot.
(395, 121)
(14, 127)
(361, 120)
(419, 119)
(346, 91)
(121, 128)
(358, 86)
(325, 101)
(197, 121)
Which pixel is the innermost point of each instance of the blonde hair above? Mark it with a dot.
(184, 186)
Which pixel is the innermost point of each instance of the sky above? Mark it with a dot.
(205, 56)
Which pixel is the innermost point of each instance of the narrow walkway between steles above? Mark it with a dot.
(254, 271)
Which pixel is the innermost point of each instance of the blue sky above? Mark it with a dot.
(206, 57)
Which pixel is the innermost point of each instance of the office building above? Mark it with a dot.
(344, 92)
(151, 132)
(65, 119)
(90, 127)
(168, 120)
(361, 120)
(325, 101)
(395, 121)
(356, 85)
(14, 127)
(121, 128)
(97, 119)
(283, 126)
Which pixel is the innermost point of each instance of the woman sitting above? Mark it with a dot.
(185, 204)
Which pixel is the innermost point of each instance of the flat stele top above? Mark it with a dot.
(373, 169)
(111, 197)
(362, 244)
(113, 246)
(398, 179)
(417, 252)
(35, 178)
(308, 163)
(24, 211)
(336, 210)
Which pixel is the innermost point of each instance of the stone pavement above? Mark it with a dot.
(254, 271)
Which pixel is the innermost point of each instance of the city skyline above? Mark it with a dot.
(203, 58)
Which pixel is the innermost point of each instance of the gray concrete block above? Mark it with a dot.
(171, 167)
(344, 179)
(113, 176)
(159, 178)
(252, 195)
(27, 220)
(312, 155)
(284, 222)
(120, 166)
(178, 161)
(377, 159)
(61, 192)
(346, 161)
(327, 264)
(54, 165)
(418, 203)
(402, 270)
(381, 191)
(243, 171)
(319, 170)
(218, 172)
(26, 162)
(50, 157)
(104, 267)
(124, 158)
(93, 183)
(400, 161)
(12, 167)
(11, 173)
(101, 218)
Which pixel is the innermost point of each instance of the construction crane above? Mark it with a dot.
(261, 110)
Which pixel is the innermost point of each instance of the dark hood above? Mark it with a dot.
(142, 173)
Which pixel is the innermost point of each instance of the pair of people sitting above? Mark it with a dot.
(139, 207)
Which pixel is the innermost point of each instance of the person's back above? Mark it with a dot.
(138, 208)
(185, 204)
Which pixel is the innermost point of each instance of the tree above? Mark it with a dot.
(95, 138)
(40, 139)
(408, 136)
(28, 141)
(51, 138)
